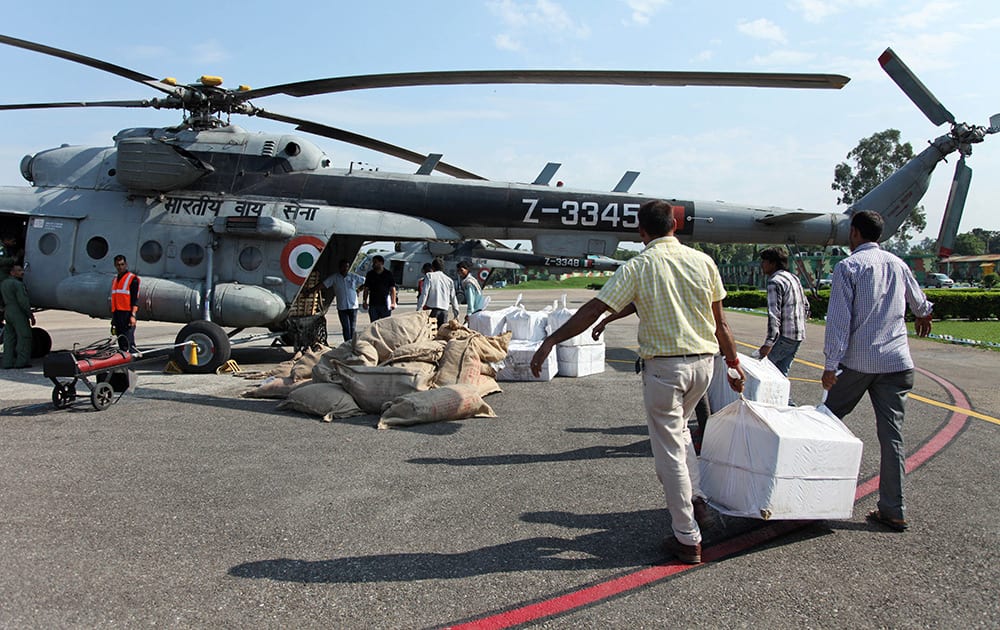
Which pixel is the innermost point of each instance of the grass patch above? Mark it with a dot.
(960, 329)
(581, 282)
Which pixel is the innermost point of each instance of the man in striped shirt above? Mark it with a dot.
(787, 310)
(867, 350)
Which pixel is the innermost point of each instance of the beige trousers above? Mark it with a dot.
(671, 388)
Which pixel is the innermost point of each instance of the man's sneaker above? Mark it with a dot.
(702, 513)
(688, 554)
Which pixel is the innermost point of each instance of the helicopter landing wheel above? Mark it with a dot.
(206, 347)
(63, 395)
(102, 396)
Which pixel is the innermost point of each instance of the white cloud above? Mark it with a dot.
(540, 14)
(209, 52)
(818, 10)
(643, 10)
(705, 55)
(931, 15)
(784, 58)
(762, 28)
(503, 41)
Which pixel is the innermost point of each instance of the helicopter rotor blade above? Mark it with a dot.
(953, 209)
(914, 88)
(90, 61)
(75, 104)
(365, 142)
(562, 77)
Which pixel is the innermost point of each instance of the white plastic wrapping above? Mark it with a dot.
(492, 323)
(577, 361)
(765, 383)
(560, 316)
(517, 365)
(762, 461)
(528, 325)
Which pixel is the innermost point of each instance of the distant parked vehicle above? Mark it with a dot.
(939, 281)
(825, 283)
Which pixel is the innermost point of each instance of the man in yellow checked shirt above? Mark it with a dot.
(677, 293)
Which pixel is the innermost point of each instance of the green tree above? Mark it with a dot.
(968, 244)
(624, 254)
(871, 162)
(991, 238)
(926, 246)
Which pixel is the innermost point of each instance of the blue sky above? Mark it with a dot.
(771, 147)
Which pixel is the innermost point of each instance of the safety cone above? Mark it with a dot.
(193, 354)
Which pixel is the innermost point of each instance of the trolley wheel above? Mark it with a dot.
(212, 347)
(63, 395)
(102, 396)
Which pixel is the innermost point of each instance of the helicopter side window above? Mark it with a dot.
(97, 248)
(251, 258)
(192, 254)
(151, 252)
(48, 244)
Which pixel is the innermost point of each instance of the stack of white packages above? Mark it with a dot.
(765, 383)
(580, 355)
(492, 323)
(761, 461)
(528, 329)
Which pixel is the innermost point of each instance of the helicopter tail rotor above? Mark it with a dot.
(963, 136)
(953, 209)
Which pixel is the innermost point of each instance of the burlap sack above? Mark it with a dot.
(425, 351)
(491, 349)
(389, 333)
(452, 402)
(371, 387)
(306, 361)
(271, 387)
(327, 400)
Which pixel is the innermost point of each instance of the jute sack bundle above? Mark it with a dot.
(327, 400)
(389, 333)
(371, 387)
(461, 365)
(306, 360)
(452, 402)
(271, 387)
(426, 351)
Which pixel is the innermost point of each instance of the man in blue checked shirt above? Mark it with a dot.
(867, 350)
(787, 310)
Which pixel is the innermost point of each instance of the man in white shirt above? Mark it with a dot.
(345, 286)
(438, 293)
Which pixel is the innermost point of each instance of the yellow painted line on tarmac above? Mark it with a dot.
(917, 397)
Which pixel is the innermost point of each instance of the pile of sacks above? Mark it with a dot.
(402, 367)
(579, 356)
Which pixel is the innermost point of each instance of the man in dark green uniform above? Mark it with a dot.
(19, 320)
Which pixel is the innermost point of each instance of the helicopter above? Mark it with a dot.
(226, 227)
(490, 261)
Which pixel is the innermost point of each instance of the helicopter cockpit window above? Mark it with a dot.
(97, 248)
(251, 258)
(48, 244)
(192, 254)
(151, 252)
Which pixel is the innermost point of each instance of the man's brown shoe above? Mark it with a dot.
(688, 554)
(703, 514)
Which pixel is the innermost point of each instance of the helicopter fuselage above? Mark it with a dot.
(228, 225)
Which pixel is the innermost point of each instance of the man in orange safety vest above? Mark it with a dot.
(124, 304)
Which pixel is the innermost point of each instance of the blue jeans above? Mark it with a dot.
(348, 322)
(888, 395)
(378, 311)
(783, 352)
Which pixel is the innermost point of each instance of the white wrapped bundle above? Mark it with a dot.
(767, 462)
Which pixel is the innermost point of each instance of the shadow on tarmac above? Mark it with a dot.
(626, 540)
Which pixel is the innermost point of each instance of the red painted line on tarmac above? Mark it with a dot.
(644, 577)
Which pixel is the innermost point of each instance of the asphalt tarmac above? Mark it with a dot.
(184, 505)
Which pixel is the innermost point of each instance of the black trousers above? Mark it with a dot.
(124, 330)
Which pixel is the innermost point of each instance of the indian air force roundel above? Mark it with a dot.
(299, 257)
